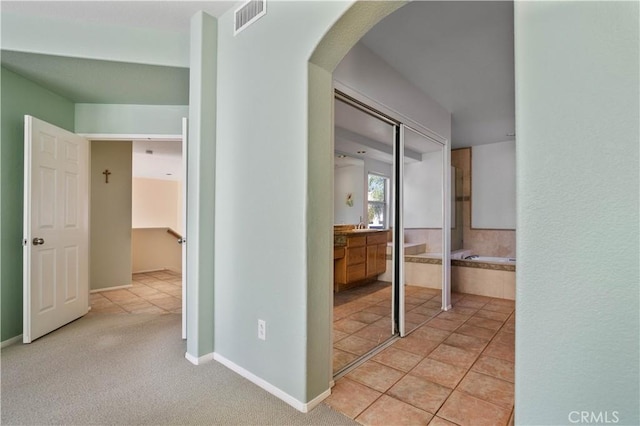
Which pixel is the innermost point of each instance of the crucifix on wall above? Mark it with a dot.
(106, 174)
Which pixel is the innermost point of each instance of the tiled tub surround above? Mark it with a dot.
(482, 278)
(492, 279)
(455, 369)
(489, 242)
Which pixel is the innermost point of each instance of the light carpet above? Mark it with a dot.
(130, 369)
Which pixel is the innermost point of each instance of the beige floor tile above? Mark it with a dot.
(341, 359)
(167, 302)
(110, 309)
(348, 325)
(365, 317)
(496, 316)
(351, 398)
(495, 367)
(416, 344)
(102, 301)
(374, 333)
(444, 324)
(505, 338)
(508, 327)
(133, 300)
(416, 318)
(484, 323)
(488, 388)
(454, 356)
(136, 306)
(435, 334)
(439, 421)
(470, 303)
(429, 311)
(462, 310)
(469, 343)
(376, 376)
(485, 334)
(466, 410)
(118, 295)
(497, 350)
(398, 359)
(355, 345)
(390, 411)
(380, 310)
(438, 372)
(151, 309)
(420, 393)
(337, 335)
(498, 307)
(143, 291)
(453, 316)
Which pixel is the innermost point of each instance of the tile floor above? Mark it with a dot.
(455, 369)
(152, 293)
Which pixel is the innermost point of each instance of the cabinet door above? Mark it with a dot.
(372, 256)
(355, 273)
(381, 259)
(356, 255)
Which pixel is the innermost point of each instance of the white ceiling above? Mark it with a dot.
(460, 54)
(164, 162)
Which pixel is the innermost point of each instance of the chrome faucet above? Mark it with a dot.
(361, 225)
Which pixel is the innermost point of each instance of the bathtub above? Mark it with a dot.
(509, 260)
(485, 276)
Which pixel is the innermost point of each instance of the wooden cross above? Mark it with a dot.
(106, 174)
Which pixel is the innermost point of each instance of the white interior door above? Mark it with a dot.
(185, 128)
(56, 228)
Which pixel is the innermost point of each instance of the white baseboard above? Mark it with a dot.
(11, 341)
(199, 360)
(98, 290)
(298, 405)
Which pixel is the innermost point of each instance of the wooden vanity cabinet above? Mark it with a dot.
(365, 257)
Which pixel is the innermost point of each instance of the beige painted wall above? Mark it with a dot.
(156, 203)
(154, 249)
(485, 242)
(110, 214)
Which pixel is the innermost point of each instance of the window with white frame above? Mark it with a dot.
(378, 189)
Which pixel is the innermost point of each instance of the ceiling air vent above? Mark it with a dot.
(249, 13)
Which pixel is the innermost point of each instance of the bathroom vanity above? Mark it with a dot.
(360, 256)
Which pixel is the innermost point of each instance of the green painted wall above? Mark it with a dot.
(261, 193)
(82, 39)
(577, 115)
(19, 97)
(201, 186)
(130, 119)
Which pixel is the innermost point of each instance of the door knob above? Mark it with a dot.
(38, 241)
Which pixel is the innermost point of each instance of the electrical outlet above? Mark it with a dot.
(262, 330)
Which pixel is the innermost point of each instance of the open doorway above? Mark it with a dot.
(147, 177)
(470, 93)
